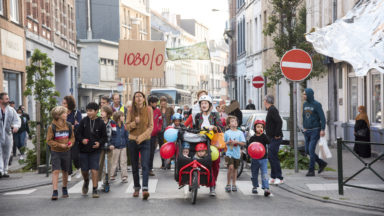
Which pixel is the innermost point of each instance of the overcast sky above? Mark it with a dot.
(201, 10)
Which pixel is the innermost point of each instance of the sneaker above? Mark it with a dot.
(21, 157)
(228, 188)
(65, 192)
(271, 181)
(267, 192)
(234, 188)
(69, 178)
(112, 179)
(95, 193)
(322, 167)
(85, 187)
(254, 190)
(124, 180)
(5, 175)
(55, 195)
(279, 181)
(145, 195)
(212, 192)
(310, 174)
(151, 173)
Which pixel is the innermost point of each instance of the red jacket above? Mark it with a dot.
(157, 122)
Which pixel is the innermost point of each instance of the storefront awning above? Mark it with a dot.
(357, 38)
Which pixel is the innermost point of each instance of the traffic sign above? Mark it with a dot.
(258, 81)
(296, 65)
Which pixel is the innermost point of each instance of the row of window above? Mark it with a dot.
(239, 3)
(241, 36)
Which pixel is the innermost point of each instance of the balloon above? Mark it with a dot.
(167, 150)
(214, 153)
(256, 150)
(171, 135)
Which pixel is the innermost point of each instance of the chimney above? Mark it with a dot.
(178, 20)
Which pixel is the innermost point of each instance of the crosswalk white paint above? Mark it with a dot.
(334, 186)
(21, 192)
(77, 188)
(246, 188)
(152, 184)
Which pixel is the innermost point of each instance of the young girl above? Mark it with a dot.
(201, 151)
(119, 140)
(262, 163)
(176, 121)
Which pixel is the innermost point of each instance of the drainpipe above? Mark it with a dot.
(89, 29)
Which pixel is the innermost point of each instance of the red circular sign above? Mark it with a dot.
(296, 65)
(258, 82)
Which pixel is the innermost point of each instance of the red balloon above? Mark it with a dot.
(256, 150)
(167, 150)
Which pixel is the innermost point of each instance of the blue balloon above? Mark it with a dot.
(171, 135)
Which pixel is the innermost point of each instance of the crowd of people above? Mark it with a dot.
(129, 136)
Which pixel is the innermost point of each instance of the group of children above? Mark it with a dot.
(98, 135)
(95, 136)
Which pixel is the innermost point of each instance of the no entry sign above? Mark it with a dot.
(258, 82)
(296, 65)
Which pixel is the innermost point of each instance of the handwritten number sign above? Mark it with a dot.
(138, 58)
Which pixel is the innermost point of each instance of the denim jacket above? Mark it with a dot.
(119, 138)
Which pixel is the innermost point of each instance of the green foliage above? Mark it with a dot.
(40, 86)
(287, 26)
(287, 159)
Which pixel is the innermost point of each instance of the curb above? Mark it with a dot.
(24, 187)
(332, 201)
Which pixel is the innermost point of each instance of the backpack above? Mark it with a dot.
(53, 126)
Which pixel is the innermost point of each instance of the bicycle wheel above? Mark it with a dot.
(194, 187)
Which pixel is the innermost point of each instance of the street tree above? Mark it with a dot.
(39, 85)
(287, 26)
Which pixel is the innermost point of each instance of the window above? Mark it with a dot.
(1, 7)
(376, 99)
(14, 10)
(353, 97)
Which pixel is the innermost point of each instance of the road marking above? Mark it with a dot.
(21, 192)
(77, 188)
(296, 65)
(152, 184)
(246, 188)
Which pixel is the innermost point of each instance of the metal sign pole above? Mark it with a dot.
(295, 125)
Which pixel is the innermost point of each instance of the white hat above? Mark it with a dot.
(205, 98)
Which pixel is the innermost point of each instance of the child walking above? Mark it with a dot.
(233, 138)
(91, 134)
(262, 163)
(119, 141)
(107, 148)
(60, 138)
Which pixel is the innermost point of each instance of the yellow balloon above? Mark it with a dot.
(214, 153)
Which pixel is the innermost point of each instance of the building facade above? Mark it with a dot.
(50, 26)
(12, 50)
(100, 28)
(345, 90)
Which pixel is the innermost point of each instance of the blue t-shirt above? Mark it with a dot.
(234, 136)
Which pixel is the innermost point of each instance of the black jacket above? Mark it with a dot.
(250, 107)
(273, 123)
(99, 134)
(237, 112)
(263, 139)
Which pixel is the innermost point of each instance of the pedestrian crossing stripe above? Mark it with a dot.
(21, 192)
(152, 184)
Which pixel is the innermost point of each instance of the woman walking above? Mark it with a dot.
(140, 126)
(362, 133)
(74, 117)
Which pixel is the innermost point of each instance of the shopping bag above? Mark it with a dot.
(218, 140)
(324, 152)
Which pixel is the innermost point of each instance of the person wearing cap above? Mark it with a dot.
(176, 121)
(201, 151)
(211, 121)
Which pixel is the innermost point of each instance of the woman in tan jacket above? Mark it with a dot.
(140, 126)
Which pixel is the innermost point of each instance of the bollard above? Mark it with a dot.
(340, 166)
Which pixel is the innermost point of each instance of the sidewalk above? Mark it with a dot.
(324, 187)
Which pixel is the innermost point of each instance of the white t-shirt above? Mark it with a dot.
(205, 121)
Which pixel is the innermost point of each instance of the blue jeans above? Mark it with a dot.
(273, 157)
(261, 164)
(145, 150)
(19, 142)
(311, 139)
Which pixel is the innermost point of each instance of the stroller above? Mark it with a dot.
(190, 171)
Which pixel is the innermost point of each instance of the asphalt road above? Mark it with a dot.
(167, 199)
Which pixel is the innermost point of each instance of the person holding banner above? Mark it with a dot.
(140, 125)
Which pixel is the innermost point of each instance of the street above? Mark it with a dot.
(166, 199)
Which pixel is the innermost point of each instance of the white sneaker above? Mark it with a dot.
(21, 157)
(278, 181)
(271, 181)
(69, 178)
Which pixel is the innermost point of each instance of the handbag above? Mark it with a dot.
(218, 140)
(324, 151)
